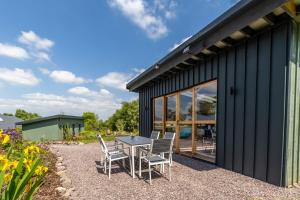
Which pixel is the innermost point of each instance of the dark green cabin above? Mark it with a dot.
(232, 92)
(56, 127)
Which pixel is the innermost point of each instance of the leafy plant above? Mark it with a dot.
(21, 173)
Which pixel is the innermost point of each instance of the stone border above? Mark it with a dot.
(66, 190)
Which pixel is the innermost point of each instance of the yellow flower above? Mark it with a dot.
(40, 170)
(37, 149)
(4, 163)
(2, 157)
(14, 164)
(6, 139)
(27, 163)
(1, 131)
(7, 178)
(26, 152)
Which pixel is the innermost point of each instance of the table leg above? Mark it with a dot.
(132, 161)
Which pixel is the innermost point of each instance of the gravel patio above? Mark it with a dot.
(191, 179)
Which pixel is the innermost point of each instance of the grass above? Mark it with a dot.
(90, 136)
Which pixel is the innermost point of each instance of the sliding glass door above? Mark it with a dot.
(192, 115)
(185, 121)
(205, 121)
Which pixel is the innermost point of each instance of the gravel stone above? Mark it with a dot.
(191, 179)
(61, 173)
(61, 190)
(61, 168)
(66, 182)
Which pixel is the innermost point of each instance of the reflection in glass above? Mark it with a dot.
(186, 102)
(206, 102)
(186, 138)
(158, 109)
(206, 142)
(171, 108)
(158, 127)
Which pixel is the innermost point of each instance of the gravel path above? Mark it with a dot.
(192, 179)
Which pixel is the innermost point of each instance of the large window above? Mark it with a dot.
(171, 108)
(186, 105)
(192, 115)
(158, 109)
(158, 115)
(206, 103)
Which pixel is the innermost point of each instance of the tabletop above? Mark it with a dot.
(134, 140)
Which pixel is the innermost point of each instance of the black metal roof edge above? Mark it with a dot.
(219, 21)
(48, 118)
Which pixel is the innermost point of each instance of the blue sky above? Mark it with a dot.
(74, 56)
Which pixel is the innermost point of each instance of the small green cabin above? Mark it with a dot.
(56, 127)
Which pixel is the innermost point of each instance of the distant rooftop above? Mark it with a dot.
(7, 122)
(48, 118)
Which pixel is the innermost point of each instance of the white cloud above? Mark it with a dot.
(167, 7)
(145, 16)
(51, 104)
(62, 76)
(44, 70)
(41, 56)
(138, 70)
(18, 76)
(116, 80)
(179, 43)
(82, 91)
(32, 39)
(13, 51)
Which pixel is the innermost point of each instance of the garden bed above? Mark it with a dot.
(51, 181)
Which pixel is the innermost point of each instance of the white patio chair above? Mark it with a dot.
(170, 135)
(154, 156)
(112, 153)
(154, 135)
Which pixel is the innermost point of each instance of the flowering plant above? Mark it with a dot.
(20, 176)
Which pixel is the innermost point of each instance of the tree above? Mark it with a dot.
(22, 114)
(128, 115)
(8, 114)
(90, 121)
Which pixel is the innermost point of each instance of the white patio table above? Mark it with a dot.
(133, 142)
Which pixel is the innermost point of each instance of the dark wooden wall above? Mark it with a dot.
(251, 122)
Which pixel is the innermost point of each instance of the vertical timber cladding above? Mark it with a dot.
(292, 170)
(251, 103)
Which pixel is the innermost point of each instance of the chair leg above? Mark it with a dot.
(140, 165)
(149, 173)
(105, 166)
(109, 169)
(163, 165)
(123, 161)
(170, 178)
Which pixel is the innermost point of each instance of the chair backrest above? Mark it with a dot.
(102, 144)
(161, 146)
(169, 135)
(154, 135)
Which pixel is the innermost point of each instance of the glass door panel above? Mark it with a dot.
(206, 116)
(205, 142)
(186, 106)
(171, 108)
(185, 121)
(206, 103)
(158, 109)
(185, 139)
